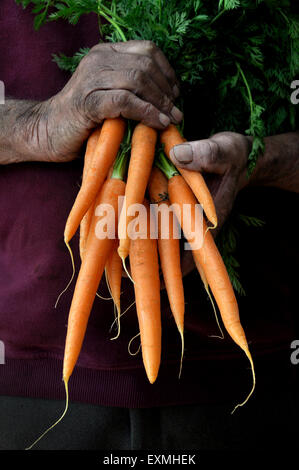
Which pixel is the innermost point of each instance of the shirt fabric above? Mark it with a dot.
(35, 199)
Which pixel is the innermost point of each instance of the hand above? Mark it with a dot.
(222, 160)
(132, 79)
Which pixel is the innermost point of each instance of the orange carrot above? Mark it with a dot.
(214, 270)
(90, 150)
(141, 160)
(113, 270)
(86, 220)
(106, 150)
(169, 251)
(144, 265)
(90, 274)
(98, 249)
(171, 137)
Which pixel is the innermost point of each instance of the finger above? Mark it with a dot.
(151, 57)
(150, 49)
(110, 104)
(141, 85)
(202, 155)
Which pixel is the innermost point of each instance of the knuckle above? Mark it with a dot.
(91, 105)
(146, 64)
(89, 60)
(166, 103)
(213, 151)
(150, 46)
(147, 112)
(94, 49)
(121, 98)
(136, 78)
(100, 48)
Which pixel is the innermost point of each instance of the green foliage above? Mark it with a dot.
(70, 63)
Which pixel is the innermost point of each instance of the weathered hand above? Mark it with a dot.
(132, 79)
(222, 160)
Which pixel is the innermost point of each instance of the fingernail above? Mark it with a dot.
(176, 91)
(164, 119)
(176, 114)
(182, 153)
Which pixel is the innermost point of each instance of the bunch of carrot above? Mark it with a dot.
(147, 177)
(132, 162)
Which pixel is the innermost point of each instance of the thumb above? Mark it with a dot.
(199, 155)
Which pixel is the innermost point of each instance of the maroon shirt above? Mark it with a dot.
(35, 199)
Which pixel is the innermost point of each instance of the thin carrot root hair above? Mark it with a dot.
(207, 289)
(182, 350)
(129, 346)
(121, 314)
(116, 307)
(247, 352)
(117, 319)
(125, 269)
(107, 283)
(209, 227)
(215, 313)
(103, 298)
(58, 420)
(73, 273)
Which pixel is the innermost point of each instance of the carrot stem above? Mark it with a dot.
(165, 165)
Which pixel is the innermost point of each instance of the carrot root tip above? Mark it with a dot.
(215, 311)
(117, 318)
(253, 386)
(182, 353)
(58, 420)
(126, 271)
(106, 298)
